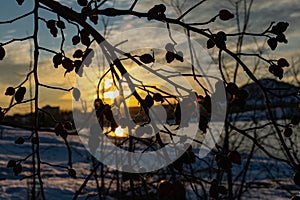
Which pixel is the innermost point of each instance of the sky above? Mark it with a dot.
(16, 64)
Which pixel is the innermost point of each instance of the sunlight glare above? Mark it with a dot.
(119, 132)
(108, 83)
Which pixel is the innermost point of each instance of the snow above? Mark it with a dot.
(263, 177)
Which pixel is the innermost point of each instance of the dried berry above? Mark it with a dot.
(297, 178)
(221, 36)
(10, 91)
(295, 120)
(85, 40)
(82, 2)
(210, 44)
(11, 163)
(61, 24)
(223, 162)
(272, 42)
(34, 140)
(157, 12)
(276, 71)
(279, 28)
(94, 19)
(243, 94)
(75, 40)
(78, 53)
(225, 15)
(179, 56)
(147, 58)
(149, 101)
(235, 157)
(59, 128)
(282, 62)
(57, 60)
(20, 2)
(232, 88)
(288, 132)
(222, 190)
(68, 125)
(19, 96)
(295, 197)
(158, 97)
(72, 173)
(67, 63)
(164, 188)
(17, 169)
(281, 38)
(20, 140)
(50, 24)
(2, 53)
(54, 31)
(170, 56)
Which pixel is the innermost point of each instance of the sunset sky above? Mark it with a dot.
(16, 64)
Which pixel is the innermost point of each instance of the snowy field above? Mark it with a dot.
(266, 179)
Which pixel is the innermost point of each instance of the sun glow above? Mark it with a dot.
(119, 132)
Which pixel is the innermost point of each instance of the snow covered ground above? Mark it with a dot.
(266, 179)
